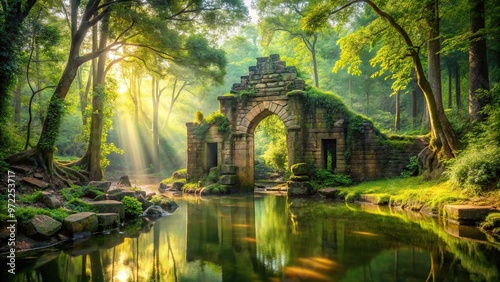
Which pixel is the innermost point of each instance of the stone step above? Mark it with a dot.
(109, 206)
(108, 220)
(466, 214)
(80, 222)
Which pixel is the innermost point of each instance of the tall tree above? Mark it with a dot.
(478, 62)
(182, 13)
(284, 16)
(444, 142)
(12, 15)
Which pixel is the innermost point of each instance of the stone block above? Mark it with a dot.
(466, 214)
(108, 221)
(299, 188)
(228, 169)
(228, 179)
(102, 186)
(42, 226)
(109, 206)
(50, 201)
(119, 194)
(300, 169)
(328, 192)
(80, 222)
(36, 182)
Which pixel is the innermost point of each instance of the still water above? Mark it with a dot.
(272, 238)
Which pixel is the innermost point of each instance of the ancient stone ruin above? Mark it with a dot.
(322, 136)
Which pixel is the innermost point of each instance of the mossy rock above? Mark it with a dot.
(79, 222)
(300, 178)
(300, 169)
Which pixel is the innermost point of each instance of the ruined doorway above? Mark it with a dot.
(329, 154)
(212, 155)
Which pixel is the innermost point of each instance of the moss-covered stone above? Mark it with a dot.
(79, 222)
(109, 206)
(300, 169)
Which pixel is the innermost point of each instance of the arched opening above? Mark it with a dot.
(270, 151)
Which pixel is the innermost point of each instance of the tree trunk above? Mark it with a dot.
(478, 62)
(397, 123)
(155, 93)
(42, 154)
(433, 48)
(17, 103)
(458, 96)
(96, 122)
(450, 80)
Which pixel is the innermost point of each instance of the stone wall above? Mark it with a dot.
(270, 88)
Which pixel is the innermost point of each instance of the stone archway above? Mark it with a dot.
(271, 87)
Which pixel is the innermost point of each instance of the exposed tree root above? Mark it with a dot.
(57, 172)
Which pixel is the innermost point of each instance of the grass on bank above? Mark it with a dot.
(415, 192)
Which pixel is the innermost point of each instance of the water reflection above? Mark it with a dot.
(270, 238)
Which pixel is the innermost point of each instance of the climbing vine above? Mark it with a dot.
(54, 117)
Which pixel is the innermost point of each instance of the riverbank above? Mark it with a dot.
(415, 193)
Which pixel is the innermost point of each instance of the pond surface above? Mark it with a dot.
(271, 238)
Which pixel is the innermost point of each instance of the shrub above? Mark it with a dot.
(413, 168)
(132, 206)
(325, 178)
(31, 198)
(476, 169)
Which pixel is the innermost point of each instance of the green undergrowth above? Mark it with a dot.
(24, 214)
(77, 192)
(412, 192)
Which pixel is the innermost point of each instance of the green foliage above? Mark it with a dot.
(215, 118)
(53, 120)
(80, 205)
(216, 189)
(271, 146)
(325, 178)
(198, 117)
(133, 207)
(77, 192)
(30, 198)
(477, 167)
(245, 95)
(413, 168)
(492, 223)
(24, 214)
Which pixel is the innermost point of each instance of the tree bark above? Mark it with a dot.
(458, 97)
(397, 123)
(433, 48)
(450, 81)
(96, 122)
(478, 62)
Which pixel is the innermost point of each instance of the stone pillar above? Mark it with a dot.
(227, 106)
(295, 145)
(195, 152)
(244, 160)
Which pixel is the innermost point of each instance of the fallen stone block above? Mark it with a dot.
(79, 222)
(466, 214)
(42, 226)
(108, 221)
(109, 206)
